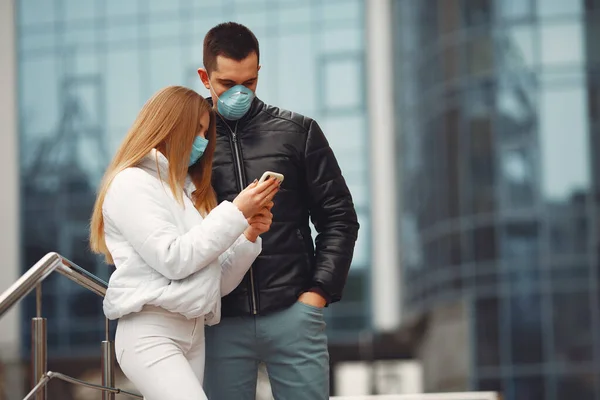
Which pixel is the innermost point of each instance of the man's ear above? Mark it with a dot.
(203, 74)
(259, 66)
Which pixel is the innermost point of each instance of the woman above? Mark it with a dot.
(175, 251)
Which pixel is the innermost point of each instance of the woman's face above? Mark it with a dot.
(204, 123)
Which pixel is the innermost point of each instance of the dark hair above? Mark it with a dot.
(231, 40)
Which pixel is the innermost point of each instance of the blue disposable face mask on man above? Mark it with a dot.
(198, 148)
(235, 102)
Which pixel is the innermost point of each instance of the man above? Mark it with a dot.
(275, 316)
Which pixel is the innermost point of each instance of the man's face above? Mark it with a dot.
(229, 72)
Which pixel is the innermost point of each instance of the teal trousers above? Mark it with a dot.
(292, 343)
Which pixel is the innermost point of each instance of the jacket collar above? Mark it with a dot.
(157, 163)
(255, 108)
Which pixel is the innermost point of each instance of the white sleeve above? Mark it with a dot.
(236, 261)
(136, 208)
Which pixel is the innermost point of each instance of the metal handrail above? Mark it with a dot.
(50, 375)
(40, 271)
(33, 278)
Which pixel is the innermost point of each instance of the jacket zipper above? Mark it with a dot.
(238, 163)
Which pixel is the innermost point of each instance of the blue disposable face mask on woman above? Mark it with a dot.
(198, 148)
(235, 102)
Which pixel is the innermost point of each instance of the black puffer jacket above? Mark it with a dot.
(270, 139)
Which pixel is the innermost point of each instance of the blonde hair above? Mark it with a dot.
(168, 122)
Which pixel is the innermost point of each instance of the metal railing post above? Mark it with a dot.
(108, 363)
(39, 355)
(40, 376)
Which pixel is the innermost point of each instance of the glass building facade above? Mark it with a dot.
(498, 109)
(85, 69)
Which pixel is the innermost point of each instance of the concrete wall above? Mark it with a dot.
(9, 197)
(386, 281)
(445, 352)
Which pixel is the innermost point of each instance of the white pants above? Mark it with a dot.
(162, 354)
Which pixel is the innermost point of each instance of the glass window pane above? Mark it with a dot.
(484, 244)
(87, 96)
(554, 8)
(517, 47)
(452, 58)
(569, 226)
(519, 187)
(341, 10)
(562, 43)
(255, 21)
(268, 81)
(160, 29)
(204, 20)
(301, 14)
(452, 162)
(569, 276)
(564, 141)
(341, 81)
(361, 193)
(355, 173)
(487, 324)
(412, 252)
(75, 9)
(526, 331)
(122, 34)
(594, 101)
(519, 244)
(592, 5)
(362, 253)
(486, 278)
(428, 208)
(123, 91)
(517, 105)
(253, 3)
(80, 38)
(119, 7)
(35, 12)
(39, 97)
(480, 55)
(346, 134)
(477, 12)
(342, 39)
(161, 7)
(31, 43)
(529, 388)
(572, 326)
(356, 290)
(576, 386)
(514, 9)
(481, 165)
(166, 68)
(294, 63)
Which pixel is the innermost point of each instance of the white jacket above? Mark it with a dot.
(166, 254)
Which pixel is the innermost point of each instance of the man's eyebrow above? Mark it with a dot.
(226, 81)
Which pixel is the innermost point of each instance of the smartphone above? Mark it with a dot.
(271, 175)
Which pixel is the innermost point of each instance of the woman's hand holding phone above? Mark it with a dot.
(256, 196)
(259, 223)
